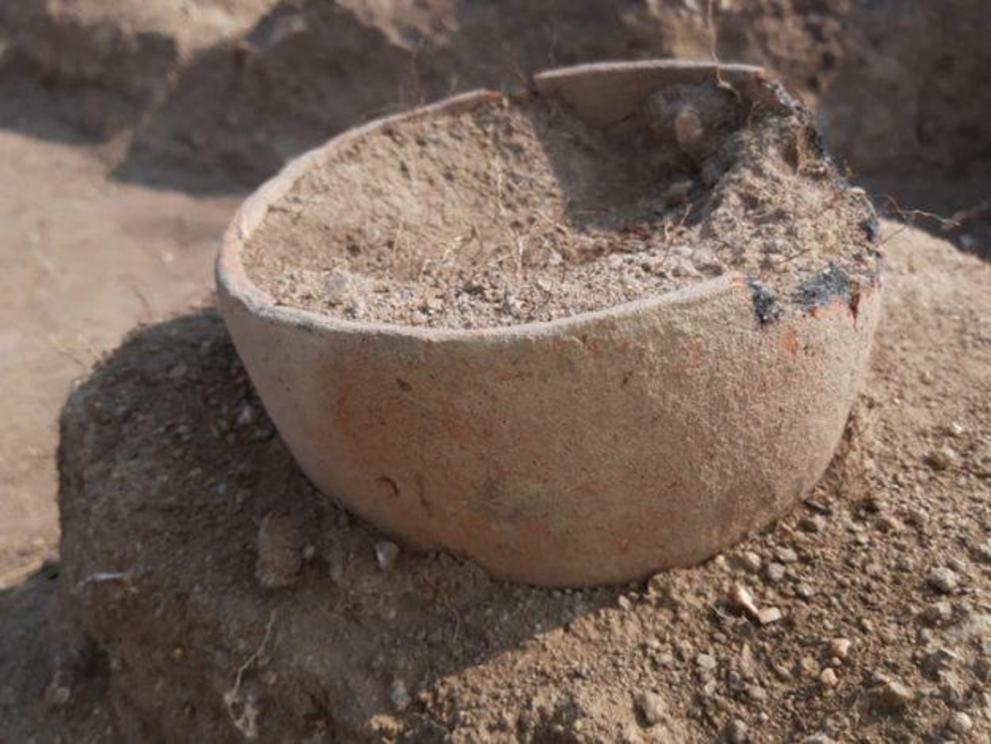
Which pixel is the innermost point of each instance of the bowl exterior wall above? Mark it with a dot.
(594, 452)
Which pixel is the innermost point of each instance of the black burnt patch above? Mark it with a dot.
(765, 302)
(823, 288)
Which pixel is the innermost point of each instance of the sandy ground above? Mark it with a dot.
(879, 581)
(87, 252)
(82, 260)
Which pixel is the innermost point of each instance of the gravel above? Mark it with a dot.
(890, 697)
(943, 580)
(652, 707)
(961, 723)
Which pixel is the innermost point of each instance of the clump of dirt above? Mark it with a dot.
(862, 615)
(516, 212)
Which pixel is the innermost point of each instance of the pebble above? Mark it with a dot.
(736, 732)
(905, 564)
(786, 555)
(774, 572)
(840, 647)
(386, 554)
(955, 564)
(937, 661)
(951, 687)
(768, 615)
(888, 523)
(943, 580)
(355, 308)
(246, 416)
(808, 667)
(813, 523)
(983, 551)
(955, 429)
(511, 304)
(706, 662)
(652, 707)
(818, 506)
(756, 692)
(960, 723)
(335, 287)
(750, 561)
(942, 458)
(918, 517)
(432, 305)
(890, 697)
(665, 660)
(742, 599)
(624, 603)
(828, 678)
(935, 614)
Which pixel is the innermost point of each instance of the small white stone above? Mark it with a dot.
(774, 572)
(840, 647)
(742, 599)
(961, 723)
(828, 678)
(246, 416)
(386, 554)
(768, 615)
(786, 555)
(706, 662)
(652, 707)
(750, 561)
(943, 580)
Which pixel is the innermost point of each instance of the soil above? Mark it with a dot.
(104, 116)
(228, 599)
(82, 260)
(517, 212)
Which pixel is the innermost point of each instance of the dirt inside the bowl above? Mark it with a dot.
(517, 211)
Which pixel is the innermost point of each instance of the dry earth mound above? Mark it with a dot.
(232, 600)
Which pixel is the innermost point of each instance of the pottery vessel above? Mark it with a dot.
(596, 448)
